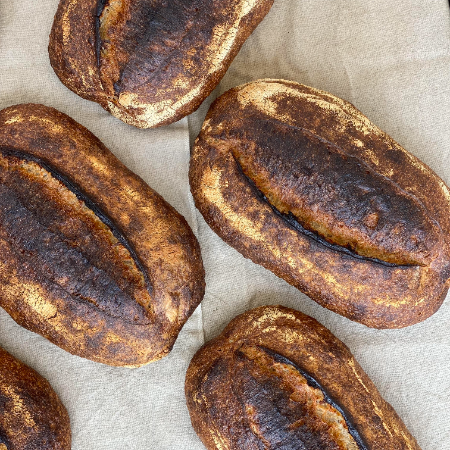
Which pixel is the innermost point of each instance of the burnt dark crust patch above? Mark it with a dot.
(153, 34)
(3, 439)
(57, 262)
(78, 192)
(312, 382)
(101, 4)
(293, 223)
(326, 176)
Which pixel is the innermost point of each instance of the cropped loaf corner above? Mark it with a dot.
(147, 62)
(31, 414)
(276, 378)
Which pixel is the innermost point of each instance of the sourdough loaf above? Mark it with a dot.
(91, 257)
(303, 183)
(149, 62)
(31, 414)
(277, 379)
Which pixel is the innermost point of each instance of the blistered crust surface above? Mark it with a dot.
(149, 62)
(301, 182)
(31, 414)
(92, 258)
(275, 378)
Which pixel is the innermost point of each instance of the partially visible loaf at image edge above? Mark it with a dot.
(149, 63)
(276, 378)
(31, 414)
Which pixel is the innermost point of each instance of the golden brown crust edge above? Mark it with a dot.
(126, 309)
(380, 295)
(173, 77)
(31, 414)
(236, 402)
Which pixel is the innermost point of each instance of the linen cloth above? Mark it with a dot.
(390, 59)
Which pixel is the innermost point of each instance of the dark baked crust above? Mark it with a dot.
(149, 63)
(302, 183)
(276, 378)
(31, 414)
(91, 257)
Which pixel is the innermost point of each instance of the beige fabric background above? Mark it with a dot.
(392, 60)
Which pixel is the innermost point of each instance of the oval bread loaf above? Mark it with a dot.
(277, 379)
(301, 182)
(31, 414)
(149, 62)
(91, 257)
